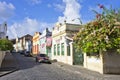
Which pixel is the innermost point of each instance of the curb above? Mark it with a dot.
(7, 67)
(8, 72)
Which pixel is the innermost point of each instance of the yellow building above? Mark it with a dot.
(62, 48)
(36, 43)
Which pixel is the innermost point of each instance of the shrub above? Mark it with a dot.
(5, 44)
(102, 34)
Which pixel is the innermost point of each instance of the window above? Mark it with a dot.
(62, 48)
(58, 49)
(68, 50)
(33, 48)
(55, 49)
(37, 48)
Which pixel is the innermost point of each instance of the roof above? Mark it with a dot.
(27, 37)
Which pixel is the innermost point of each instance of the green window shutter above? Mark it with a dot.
(62, 48)
(55, 49)
(68, 50)
(58, 49)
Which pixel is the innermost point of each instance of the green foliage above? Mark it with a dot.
(101, 34)
(5, 45)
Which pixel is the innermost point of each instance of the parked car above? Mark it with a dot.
(27, 53)
(21, 52)
(42, 58)
(13, 51)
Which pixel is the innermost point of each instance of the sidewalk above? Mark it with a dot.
(9, 65)
(87, 74)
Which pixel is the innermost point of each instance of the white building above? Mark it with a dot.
(62, 47)
(24, 43)
(3, 30)
(46, 42)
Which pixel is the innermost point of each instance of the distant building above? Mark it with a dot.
(36, 43)
(46, 42)
(3, 30)
(24, 43)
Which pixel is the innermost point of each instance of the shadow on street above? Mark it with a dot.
(25, 62)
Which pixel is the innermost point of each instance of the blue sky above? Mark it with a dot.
(28, 16)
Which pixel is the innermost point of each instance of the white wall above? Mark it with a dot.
(109, 62)
(2, 55)
(62, 58)
(93, 63)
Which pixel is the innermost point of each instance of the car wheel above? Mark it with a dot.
(49, 63)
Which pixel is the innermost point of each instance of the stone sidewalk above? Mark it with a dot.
(87, 74)
(9, 65)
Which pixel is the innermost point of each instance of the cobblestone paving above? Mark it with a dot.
(30, 70)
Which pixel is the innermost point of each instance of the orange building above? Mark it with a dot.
(36, 43)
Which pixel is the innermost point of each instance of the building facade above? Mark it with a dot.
(46, 42)
(18, 45)
(3, 30)
(24, 43)
(36, 43)
(27, 42)
(62, 47)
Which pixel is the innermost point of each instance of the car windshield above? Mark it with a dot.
(43, 55)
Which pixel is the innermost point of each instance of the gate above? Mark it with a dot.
(78, 57)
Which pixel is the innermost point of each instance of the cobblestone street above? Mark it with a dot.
(30, 70)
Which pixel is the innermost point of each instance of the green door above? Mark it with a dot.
(77, 57)
(48, 51)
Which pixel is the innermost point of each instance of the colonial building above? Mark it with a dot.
(36, 43)
(3, 30)
(27, 42)
(62, 47)
(24, 43)
(46, 42)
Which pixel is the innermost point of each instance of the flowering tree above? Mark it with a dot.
(102, 34)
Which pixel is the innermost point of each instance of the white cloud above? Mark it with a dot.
(71, 11)
(34, 2)
(84, 21)
(27, 26)
(49, 5)
(6, 10)
(59, 7)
